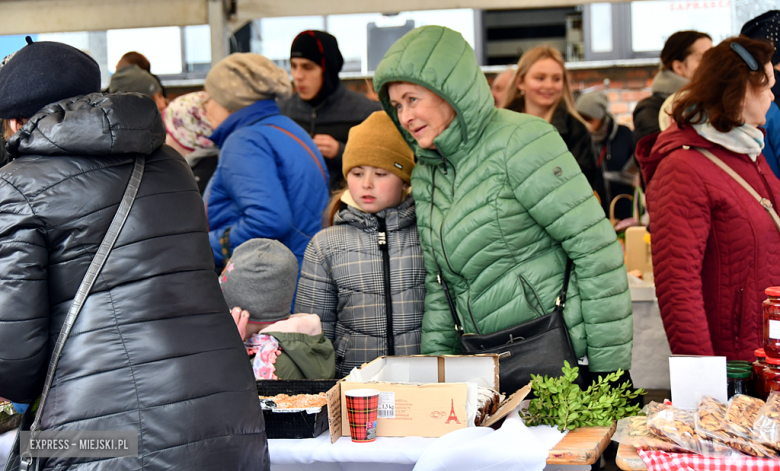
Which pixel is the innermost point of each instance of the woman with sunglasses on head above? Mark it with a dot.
(715, 248)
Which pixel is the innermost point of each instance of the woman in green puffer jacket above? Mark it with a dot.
(501, 205)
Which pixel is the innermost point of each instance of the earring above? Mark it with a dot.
(522, 92)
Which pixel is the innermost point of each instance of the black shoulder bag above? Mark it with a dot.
(26, 462)
(539, 346)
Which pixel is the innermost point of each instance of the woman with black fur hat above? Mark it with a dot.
(322, 105)
(154, 349)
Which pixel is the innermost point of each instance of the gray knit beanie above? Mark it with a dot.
(261, 278)
(132, 78)
(593, 104)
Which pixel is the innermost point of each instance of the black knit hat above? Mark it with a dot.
(766, 27)
(322, 49)
(42, 73)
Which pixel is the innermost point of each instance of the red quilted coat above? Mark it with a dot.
(715, 248)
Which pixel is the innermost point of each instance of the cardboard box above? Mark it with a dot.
(420, 395)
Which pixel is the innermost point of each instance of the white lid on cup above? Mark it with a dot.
(362, 393)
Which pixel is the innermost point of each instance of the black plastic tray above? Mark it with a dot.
(294, 424)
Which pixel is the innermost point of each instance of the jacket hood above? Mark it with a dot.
(667, 82)
(242, 118)
(440, 60)
(652, 149)
(396, 218)
(92, 125)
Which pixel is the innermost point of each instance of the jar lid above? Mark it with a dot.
(748, 368)
(772, 291)
(739, 374)
(737, 363)
(773, 361)
(760, 353)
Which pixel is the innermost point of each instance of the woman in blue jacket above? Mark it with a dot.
(271, 181)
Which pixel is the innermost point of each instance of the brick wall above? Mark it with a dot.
(627, 86)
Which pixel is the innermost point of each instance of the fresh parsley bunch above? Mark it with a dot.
(562, 403)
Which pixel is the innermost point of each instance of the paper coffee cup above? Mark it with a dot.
(361, 410)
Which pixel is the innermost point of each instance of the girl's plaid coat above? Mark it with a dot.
(342, 281)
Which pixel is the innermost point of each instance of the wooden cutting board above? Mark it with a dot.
(627, 459)
(582, 446)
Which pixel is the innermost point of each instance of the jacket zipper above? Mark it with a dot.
(441, 232)
(382, 241)
(313, 121)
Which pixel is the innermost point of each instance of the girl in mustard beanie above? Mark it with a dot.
(364, 276)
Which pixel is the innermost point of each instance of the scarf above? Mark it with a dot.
(742, 140)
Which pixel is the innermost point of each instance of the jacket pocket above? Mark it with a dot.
(532, 297)
(736, 319)
(341, 349)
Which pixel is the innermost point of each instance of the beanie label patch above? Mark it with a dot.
(399, 166)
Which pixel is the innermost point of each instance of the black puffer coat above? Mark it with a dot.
(154, 348)
(335, 117)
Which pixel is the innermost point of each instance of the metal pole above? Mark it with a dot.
(219, 30)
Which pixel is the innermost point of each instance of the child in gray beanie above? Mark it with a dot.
(259, 284)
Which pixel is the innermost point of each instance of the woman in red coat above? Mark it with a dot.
(715, 248)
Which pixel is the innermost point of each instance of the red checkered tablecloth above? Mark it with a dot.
(662, 461)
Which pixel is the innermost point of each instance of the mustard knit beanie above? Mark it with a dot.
(377, 142)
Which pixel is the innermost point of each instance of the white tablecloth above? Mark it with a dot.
(512, 447)
(6, 442)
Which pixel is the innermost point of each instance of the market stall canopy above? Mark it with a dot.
(54, 16)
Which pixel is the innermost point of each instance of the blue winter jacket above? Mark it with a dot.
(266, 184)
(772, 139)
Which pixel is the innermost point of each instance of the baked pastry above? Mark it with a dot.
(298, 401)
(488, 401)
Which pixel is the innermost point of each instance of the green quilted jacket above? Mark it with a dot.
(501, 203)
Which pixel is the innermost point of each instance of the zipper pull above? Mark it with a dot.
(444, 161)
(438, 277)
(382, 236)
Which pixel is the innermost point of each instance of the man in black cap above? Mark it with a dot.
(322, 105)
(767, 27)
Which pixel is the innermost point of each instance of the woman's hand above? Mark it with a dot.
(241, 318)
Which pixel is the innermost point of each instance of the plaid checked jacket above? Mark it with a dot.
(342, 282)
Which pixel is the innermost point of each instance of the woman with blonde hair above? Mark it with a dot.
(541, 88)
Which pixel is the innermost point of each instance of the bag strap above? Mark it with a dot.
(303, 144)
(561, 301)
(762, 201)
(89, 279)
(450, 305)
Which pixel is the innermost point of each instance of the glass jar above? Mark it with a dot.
(771, 375)
(772, 322)
(758, 377)
(739, 382)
